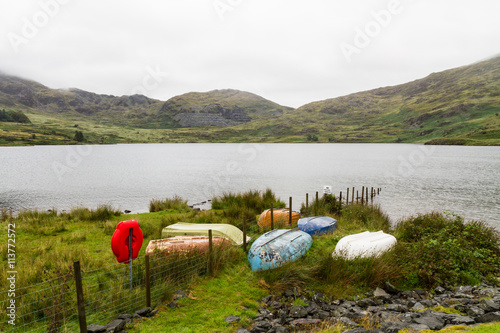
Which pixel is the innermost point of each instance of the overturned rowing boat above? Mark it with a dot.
(277, 248)
(228, 231)
(365, 244)
(281, 218)
(181, 244)
(317, 225)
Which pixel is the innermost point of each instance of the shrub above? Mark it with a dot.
(436, 249)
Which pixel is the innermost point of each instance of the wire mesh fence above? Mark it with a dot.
(51, 306)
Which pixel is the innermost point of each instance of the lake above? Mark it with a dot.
(414, 178)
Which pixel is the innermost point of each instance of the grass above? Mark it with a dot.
(175, 203)
(432, 249)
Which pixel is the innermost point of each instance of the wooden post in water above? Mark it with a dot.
(362, 194)
(148, 285)
(340, 197)
(352, 195)
(367, 195)
(272, 217)
(210, 250)
(357, 196)
(347, 197)
(307, 204)
(290, 213)
(79, 297)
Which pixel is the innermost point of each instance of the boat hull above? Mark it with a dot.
(277, 248)
(317, 225)
(280, 218)
(365, 244)
(228, 231)
(183, 244)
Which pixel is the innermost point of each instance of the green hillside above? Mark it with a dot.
(457, 106)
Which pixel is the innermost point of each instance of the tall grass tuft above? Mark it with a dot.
(246, 205)
(325, 205)
(367, 217)
(175, 204)
(101, 213)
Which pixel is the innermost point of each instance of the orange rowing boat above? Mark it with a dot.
(280, 218)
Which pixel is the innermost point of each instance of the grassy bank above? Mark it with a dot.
(433, 249)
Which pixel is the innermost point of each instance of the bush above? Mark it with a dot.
(436, 249)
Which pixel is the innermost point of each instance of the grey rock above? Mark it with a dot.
(489, 317)
(418, 327)
(418, 307)
(267, 299)
(393, 327)
(94, 328)
(462, 320)
(439, 290)
(242, 330)
(488, 305)
(115, 326)
(136, 316)
(434, 322)
(232, 319)
(261, 326)
(144, 311)
(347, 322)
(390, 288)
(305, 321)
(323, 314)
(276, 305)
(128, 318)
(172, 305)
(397, 308)
(365, 302)
(474, 311)
(153, 313)
(388, 316)
(378, 292)
(298, 311)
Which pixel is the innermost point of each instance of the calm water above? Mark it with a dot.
(413, 178)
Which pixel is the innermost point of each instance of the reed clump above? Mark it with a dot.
(175, 203)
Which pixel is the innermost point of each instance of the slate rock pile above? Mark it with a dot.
(388, 310)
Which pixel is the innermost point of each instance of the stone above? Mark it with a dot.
(418, 327)
(462, 320)
(232, 319)
(418, 307)
(439, 290)
(434, 322)
(378, 292)
(298, 311)
(474, 311)
(267, 299)
(305, 321)
(489, 317)
(390, 288)
(128, 318)
(115, 326)
(261, 326)
(365, 302)
(488, 305)
(153, 313)
(94, 328)
(144, 311)
(389, 327)
(172, 305)
(242, 330)
(347, 322)
(276, 305)
(397, 308)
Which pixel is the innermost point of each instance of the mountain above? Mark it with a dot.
(461, 103)
(213, 108)
(456, 106)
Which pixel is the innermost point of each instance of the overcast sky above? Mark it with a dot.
(289, 51)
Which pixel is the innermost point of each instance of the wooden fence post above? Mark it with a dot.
(147, 282)
(245, 236)
(79, 297)
(272, 217)
(307, 204)
(362, 194)
(352, 195)
(316, 204)
(290, 213)
(366, 195)
(347, 197)
(340, 197)
(210, 251)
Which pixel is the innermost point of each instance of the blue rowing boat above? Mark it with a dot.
(317, 225)
(277, 248)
